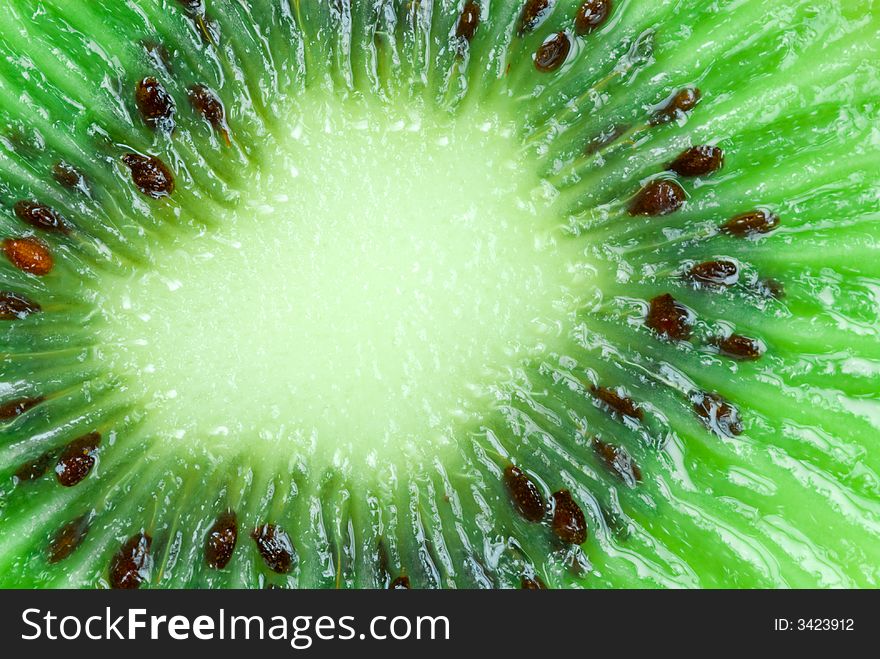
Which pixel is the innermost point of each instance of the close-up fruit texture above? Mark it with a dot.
(439, 293)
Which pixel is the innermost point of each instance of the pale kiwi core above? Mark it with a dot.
(383, 269)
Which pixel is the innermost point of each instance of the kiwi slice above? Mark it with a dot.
(451, 293)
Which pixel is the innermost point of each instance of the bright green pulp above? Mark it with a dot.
(404, 272)
(372, 272)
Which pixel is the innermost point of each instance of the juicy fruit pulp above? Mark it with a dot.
(439, 294)
(379, 267)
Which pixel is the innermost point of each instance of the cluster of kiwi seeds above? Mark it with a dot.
(714, 417)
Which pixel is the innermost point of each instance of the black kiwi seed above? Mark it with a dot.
(591, 15)
(29, 255)
(698, 161)
(275, 547)
(468, 21)
(569, 523)
(31, 471)
(14, 306)
(40, 216)
(209, 29)
(717, 414)
(400, 583)
(620, 404)
(77, 459)
(678, 106)
(130, 566)
(740, 347)
(552, 53)
(751, 223)
(209, 105)
(19, 406)
(657, 198)
(532, 13)
(531, 583)
(155, 104)
(526, 496)
(150, 175)
(771, 288)
(715, 273)
(68, 538)
(26, 141)
(669, 318)
(619, 461)
(158, 53)
(221, 540)
(68, 176)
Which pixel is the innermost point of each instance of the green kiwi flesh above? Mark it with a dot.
(451, 293)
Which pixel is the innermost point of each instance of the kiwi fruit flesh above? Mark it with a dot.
(451, 293)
